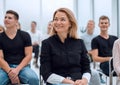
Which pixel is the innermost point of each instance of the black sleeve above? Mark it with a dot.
(45, 60)
(94, 44)
(26, 38)
(0, 42)
(85, 62)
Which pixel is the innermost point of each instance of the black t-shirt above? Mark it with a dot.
(103, 45)
(14, 49)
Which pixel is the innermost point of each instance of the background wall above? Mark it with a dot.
(28, 10)
(1, 11)
(42, 12)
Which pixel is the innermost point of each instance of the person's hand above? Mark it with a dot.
(68, 81)
(13, 75)
(90, 52)
(15, 80)
(83, 81)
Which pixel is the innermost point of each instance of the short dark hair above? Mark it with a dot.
(34, 22)
(103, 17)
(14, 13)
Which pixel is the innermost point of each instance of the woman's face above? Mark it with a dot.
(61, 22)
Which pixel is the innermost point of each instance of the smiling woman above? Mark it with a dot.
(64, 57)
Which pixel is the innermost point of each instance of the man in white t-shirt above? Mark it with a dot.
(35, 37)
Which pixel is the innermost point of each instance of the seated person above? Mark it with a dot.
(15, 53)
(87, 38)
(35, 36)
(102, 45)
(63, 56)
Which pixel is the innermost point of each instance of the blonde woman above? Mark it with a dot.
(64, 57)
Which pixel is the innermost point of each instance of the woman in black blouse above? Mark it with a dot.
(64, 57)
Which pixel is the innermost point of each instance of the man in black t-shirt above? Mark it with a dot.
(15, 54)
(102, 45)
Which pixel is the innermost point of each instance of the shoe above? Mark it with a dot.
(102, 81)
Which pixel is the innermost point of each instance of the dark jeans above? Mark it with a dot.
(105, 68)
(36, 50)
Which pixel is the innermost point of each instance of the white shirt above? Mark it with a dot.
(56, 79)
(35, 37)
(87, 40)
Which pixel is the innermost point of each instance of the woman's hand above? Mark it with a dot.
(83, 81)
(67, 81)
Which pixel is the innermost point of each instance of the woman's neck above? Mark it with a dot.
(62, 36)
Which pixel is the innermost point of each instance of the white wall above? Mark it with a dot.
(115, 18)
(42, 11)
(49, 6)
(37, 10)
(1, 12)
(84, 14)
(102, 7)
(28, 10)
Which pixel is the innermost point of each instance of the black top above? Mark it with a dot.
(13, 49)
(65, 59)
(103, 45)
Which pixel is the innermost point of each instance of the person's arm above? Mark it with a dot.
(27, 58)
(85, 64)
(27, 50)
(116, 57)
(3, 64)
(94, 52)
(45, 60)
(97, 58)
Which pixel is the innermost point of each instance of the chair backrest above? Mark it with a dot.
(111, 71)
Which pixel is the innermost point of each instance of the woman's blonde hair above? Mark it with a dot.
(2, 28)
(73, 29)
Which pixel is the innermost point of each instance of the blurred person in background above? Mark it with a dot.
(35, 36)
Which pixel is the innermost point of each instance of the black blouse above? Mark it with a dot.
(68, 59)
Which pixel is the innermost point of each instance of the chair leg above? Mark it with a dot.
(110, 79)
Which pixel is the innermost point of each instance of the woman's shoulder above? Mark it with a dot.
(79, 40)
(47, 40)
